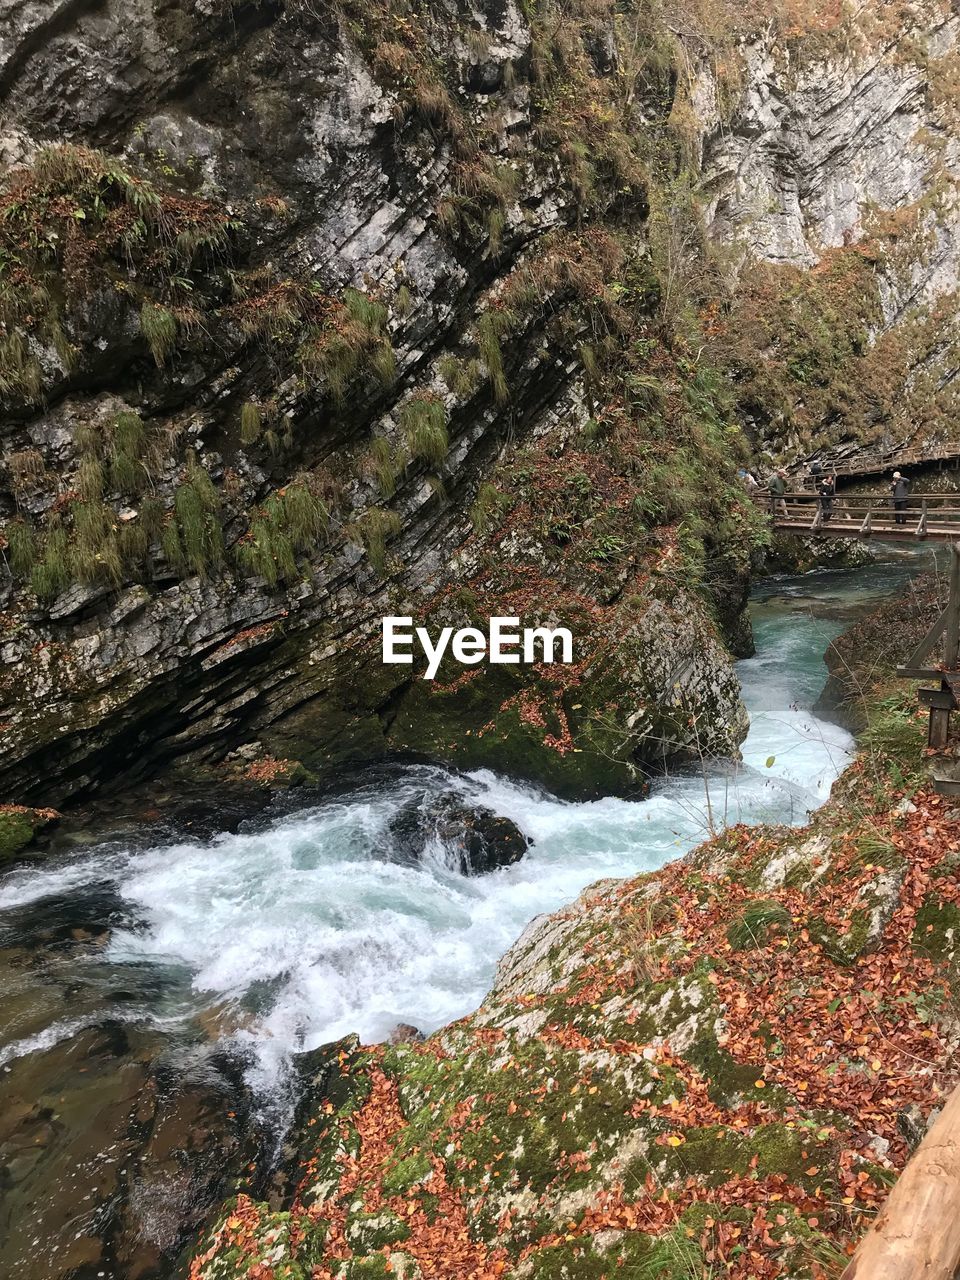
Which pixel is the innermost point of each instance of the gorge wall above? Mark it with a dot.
(312, 313)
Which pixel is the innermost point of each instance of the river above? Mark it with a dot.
(303, 926)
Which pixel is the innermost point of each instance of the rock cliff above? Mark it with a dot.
(315, 313)
(833, 182)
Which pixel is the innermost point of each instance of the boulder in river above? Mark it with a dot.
(478, 839)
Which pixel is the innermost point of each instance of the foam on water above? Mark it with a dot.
(311, 929)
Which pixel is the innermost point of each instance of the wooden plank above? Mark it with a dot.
(943, 698)
(938, 733)
(947, 786)
(951, 650)
(917, 673)
(925, 647)
(917, 1232)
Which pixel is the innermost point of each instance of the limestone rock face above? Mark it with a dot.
(325, 184)
(839, 146)
(368, 263)
(813, 149)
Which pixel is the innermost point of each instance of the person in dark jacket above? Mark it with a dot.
(900, 488)
(826, 488)
(777, 487)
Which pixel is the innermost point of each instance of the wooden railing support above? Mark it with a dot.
(951, 652)
(922, 526)
(941, 701)
(917, 1232)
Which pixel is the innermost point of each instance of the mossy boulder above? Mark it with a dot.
(18, 827)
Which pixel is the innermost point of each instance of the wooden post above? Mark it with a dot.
(938, 734)
(922, 526)
(952, 648)
(917, 1232)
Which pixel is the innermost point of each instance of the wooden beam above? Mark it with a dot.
(938, 733)
(946, 786)
(925, 646)
(922, 526)
(945, 699)
(952, 647)
(917, 673)
(917, 1232)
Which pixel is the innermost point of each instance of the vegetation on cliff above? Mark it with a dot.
(195, 410)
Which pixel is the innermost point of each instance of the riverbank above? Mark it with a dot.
(721, 1064)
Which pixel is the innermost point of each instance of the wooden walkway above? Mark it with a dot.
(872, 462)
(927, 517)
(931, 518)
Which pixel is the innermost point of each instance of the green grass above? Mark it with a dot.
(290, 521)
(51, 574)
(90, 478)
(750, 929)
(197, 509)
(490, 328)
(488, 508)
(461, 376)
(267, 551)
(22, 547)
(127, 446)
(424, 420)
(251, 423)
(159, 328)
(386, 464)
(376, 528)
(304, 515)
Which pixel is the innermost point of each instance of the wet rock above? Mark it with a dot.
(19, 826)
(404, 1033)
(476, 839)
(101, 1134)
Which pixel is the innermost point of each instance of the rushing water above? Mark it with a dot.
(310, 928)
(307, 926)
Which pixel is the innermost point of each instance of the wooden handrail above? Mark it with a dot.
(917, 1232)
(867, 462)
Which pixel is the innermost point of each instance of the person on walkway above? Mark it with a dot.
(900, 488)
(777, 487)
(816, 471)
(748, 480)
(826, 488)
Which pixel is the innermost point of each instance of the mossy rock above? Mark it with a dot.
(18, 827)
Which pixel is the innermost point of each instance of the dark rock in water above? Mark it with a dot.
(478, 838)
(97, 1129)
(404, 1033)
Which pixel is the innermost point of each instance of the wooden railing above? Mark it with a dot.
(872, 461)
(917, 1232)
(931, 515)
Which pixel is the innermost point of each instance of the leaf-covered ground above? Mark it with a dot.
(714, 1069)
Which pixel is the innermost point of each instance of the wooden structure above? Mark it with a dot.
(933, 517)
(942, 697)
(872, 462)
(917, 1232)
